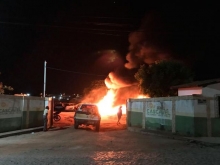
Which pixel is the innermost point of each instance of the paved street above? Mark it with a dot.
(112, 145)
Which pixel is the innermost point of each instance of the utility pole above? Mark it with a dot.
(45, 63)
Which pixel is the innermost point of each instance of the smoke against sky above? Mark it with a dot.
(114, 81)
(108, 60)
(123, 87)
(95, 95)
(159, 37)
(142, 49)
(68, 36)
(178, 34)
(147, 43)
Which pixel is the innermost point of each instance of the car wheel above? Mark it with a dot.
(97, 127)
(56, 117)
(76, 125)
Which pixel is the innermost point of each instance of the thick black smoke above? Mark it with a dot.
(162, 35)
(149, 43)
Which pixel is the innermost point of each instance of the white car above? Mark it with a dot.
(87, 114)
(69, 107)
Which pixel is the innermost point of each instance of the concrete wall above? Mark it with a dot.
(208, 91)
(20, 112)
(184, 115)
(134, 111)
(158, 115)
(211, 90)
(189, 91)
(206, 111)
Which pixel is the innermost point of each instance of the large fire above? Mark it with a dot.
(106, 107)
(113, 95)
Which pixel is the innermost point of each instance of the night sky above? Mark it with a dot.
(84, 40)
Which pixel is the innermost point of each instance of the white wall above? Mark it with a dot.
(160, 110)
(10, 108)
(185, 107)
(192, 106)
(211, 90)
(136, 106)
(200, 108)
(189, 91)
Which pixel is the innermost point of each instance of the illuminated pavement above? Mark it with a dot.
(112, 145)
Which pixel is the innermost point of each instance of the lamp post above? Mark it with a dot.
(45, 63)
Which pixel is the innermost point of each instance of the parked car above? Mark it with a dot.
(59, 107)
(76, 107)
(69, 107)
(87, 114)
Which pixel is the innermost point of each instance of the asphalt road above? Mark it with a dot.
(65, 145)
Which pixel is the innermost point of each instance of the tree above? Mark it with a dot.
(3, 88)
(156, 79)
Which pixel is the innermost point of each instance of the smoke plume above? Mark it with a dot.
(148, 44)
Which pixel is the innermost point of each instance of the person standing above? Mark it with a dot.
(119, 114)
(45, 114)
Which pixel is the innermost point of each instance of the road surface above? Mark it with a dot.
(64, 145)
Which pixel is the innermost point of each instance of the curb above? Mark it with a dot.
(172, 136)
(22, 131)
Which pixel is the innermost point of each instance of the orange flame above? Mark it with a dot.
(106, 104)
(106, 107)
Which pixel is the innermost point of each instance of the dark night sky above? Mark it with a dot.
(73, 35)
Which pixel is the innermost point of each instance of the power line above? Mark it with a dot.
(75, 72)
(81, 72)
(125, 18)
(89, 17)
(79, 29)
(102, 33)
(65, 27)
(98, 31)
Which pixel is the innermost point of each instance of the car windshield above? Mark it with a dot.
(91, 109)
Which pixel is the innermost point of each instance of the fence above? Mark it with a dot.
(185, 115)
(21, 112)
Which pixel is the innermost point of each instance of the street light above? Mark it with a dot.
(45, 63)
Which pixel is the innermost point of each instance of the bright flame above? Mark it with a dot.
(142, 96)
(106, 104)
(106, 107)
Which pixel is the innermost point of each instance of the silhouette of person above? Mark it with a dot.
(45, 114)
(119, 114)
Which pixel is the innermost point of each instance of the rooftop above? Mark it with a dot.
(202, 83)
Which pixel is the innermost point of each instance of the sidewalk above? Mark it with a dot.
(207, 141)
(29, 130)
(22, 131)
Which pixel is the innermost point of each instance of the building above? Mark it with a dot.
(206, 88)
(194, 112)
